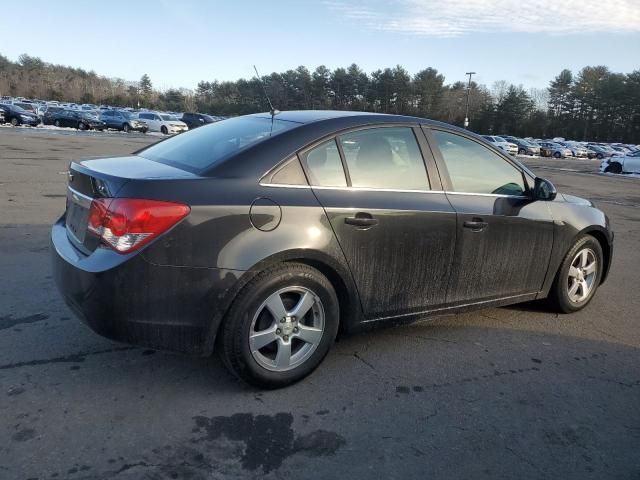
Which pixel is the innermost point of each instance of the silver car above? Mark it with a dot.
(557, 150)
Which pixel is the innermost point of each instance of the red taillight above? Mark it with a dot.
(126, 224)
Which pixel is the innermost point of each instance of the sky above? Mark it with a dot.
(180, 42)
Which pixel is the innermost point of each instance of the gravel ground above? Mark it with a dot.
(516, 392)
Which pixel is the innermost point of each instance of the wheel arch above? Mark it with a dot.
(338, 275)
(603, 240)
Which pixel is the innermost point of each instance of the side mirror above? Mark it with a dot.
(544, 190)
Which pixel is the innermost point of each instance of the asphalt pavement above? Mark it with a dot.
(515, 392)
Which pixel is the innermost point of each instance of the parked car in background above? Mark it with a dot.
(122, 120)
(629, 163)
(29, 107)
(577, 150)
(163, 122)
(16, 115)
(2, 116)
(501, 143)
(49, 112)
(525, 147)
(600, 152)
(77, 119)
(555, 149)
(195, 120)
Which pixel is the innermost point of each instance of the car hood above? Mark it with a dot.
(577, 200)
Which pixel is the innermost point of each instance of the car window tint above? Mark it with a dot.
(203, 147)
(324, 165)
(290, 174)
(384, 158)
(476, 169)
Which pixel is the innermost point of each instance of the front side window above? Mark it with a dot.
(476, 169)
(324, 165)
(386, 158)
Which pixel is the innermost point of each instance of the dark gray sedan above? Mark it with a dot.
(264, 236)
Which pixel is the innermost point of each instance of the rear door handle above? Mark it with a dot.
(476, 224)
(361, 219)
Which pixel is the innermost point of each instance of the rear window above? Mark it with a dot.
(203, 147)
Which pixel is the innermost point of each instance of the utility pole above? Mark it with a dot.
(466, 115)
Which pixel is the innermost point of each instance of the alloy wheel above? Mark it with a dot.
(582, 275)
(287, 328)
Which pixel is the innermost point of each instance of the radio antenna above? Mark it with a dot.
(264, 90)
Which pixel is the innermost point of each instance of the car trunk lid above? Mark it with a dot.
(104, 178)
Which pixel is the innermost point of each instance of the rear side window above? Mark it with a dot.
(289, 174)
(474, 168)
(324, 165)
(386, 158)
(201, 148)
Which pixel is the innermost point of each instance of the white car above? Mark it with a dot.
(163, 122)
(501, 143)
(626, 164)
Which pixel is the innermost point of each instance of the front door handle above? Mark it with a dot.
(361, 219)
(476, 224)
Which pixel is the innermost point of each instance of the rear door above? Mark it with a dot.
(393, 222)
(504, 237)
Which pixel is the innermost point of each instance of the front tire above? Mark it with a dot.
(15, 122)
(579, 276)
(557, 155)
(82, 126)
(280, 327)
(164, 130)
(126, 128)
(613, 167)
(522, 151)
(57, 123)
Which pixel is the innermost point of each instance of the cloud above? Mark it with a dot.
(455, 18)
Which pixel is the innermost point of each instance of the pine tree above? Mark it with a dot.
(146, 89)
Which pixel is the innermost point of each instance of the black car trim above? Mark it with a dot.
(451, 307)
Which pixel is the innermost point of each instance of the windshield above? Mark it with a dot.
(203, 147)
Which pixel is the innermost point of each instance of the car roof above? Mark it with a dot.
(312, 126)
(311, 116)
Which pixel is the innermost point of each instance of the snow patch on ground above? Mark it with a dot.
(54, 129)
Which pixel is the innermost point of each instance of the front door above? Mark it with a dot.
(397, 234)
(504, 237)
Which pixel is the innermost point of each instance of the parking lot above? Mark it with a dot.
(515, 392)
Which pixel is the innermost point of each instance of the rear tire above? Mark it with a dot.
(578, 277)
(268, 303)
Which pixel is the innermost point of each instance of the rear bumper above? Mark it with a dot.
(128, 299)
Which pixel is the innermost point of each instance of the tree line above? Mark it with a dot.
(594, 104)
